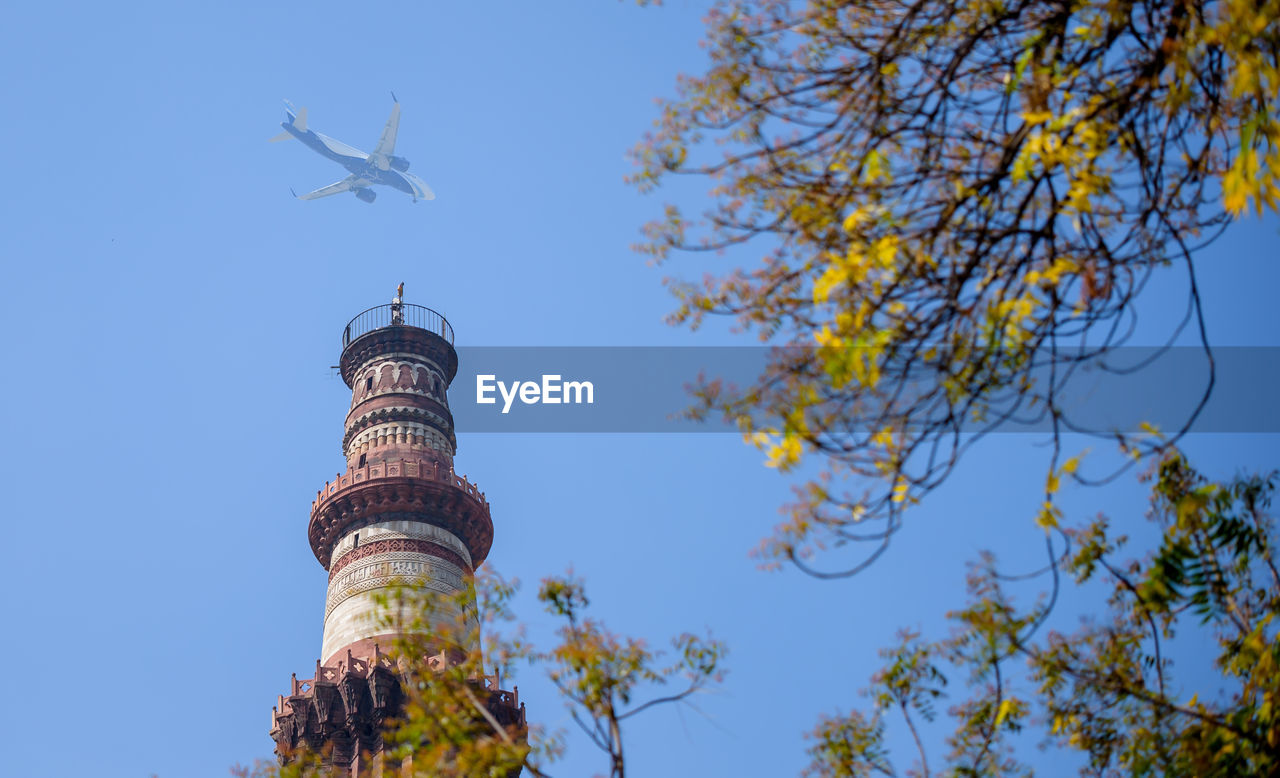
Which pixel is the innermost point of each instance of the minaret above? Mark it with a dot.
(399, 513)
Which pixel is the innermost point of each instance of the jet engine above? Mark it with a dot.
(367, 195)
(399, 163)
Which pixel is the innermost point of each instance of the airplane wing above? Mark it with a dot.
(340, 148)
(338, 187)
(420, 189)
(387, 143)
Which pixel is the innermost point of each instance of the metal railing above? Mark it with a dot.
(397, 315)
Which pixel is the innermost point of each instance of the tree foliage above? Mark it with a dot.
(1107, 690)
(954, 205)
(451, 650)
(599, 672)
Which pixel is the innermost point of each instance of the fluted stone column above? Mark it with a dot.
(399, 513)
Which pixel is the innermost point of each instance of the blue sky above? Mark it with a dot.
(171, 316)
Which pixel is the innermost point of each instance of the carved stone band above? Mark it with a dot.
(383, 569)
(377, 547)
(402, 528)
(400, 432)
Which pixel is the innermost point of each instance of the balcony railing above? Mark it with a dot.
(400, 468)
(393, 315)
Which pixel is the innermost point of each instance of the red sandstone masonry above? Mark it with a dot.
(403, 468)
(360, 694)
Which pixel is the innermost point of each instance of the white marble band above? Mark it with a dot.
(351, 610)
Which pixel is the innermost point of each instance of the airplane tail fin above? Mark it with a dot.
(297, 116)
(297, 120)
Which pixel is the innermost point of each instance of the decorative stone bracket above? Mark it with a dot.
(344, 707)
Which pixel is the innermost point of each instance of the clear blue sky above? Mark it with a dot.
(171, 312)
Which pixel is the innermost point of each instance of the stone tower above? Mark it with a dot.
(399, 513)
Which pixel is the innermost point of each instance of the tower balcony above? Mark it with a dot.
(397, 327)
(427, 489)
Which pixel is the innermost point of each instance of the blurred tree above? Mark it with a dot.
(1107, 690)
(954, 205)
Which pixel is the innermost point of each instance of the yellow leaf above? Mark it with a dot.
(834, 276)
(1008, 707)
(885, 250)
(1047, 518)
(854, 219)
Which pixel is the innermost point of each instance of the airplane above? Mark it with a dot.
(381, 167)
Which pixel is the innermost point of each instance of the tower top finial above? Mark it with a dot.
(397, 305)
